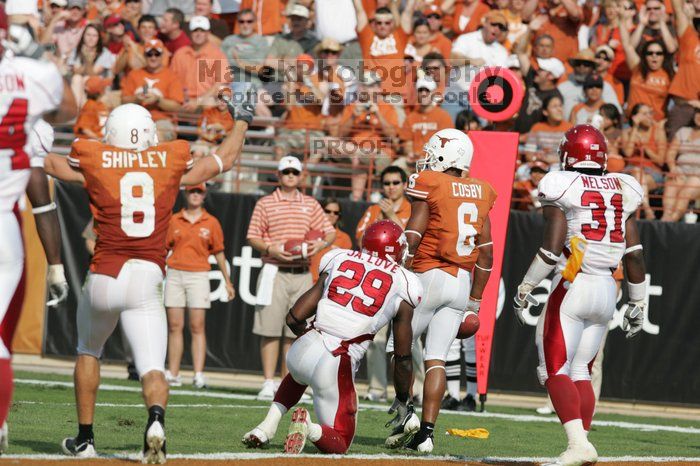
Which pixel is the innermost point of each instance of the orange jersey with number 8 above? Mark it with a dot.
(458, 209)
(131, 197)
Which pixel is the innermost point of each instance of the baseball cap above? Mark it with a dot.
(76, 4)
(111, 20)
(58, 2)
(593, 80)
(432, 10)
(553, 65)
(607, 50)
(153, 44)
(426, 83)
(495, 16)
(96, 85)
(328, 43)
(298, 10)
(585, 55)
(201, 186)
(199, 22)
(289, 161)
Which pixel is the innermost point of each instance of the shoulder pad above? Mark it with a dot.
(328, 259)
(421, 184)
(555, 184)
(632, 192)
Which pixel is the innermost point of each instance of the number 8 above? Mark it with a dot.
(132, 204)
(134, 136)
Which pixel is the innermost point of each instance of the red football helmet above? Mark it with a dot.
(583, 146)
(385, 239)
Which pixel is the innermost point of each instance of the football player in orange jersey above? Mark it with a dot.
(449, 236)
(132, 182)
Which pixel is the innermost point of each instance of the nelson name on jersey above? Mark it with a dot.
(597, 182)
(129, 159)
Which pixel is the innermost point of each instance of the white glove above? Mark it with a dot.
(523, 300)
(633, 319)
(474, 305)
(58, 285)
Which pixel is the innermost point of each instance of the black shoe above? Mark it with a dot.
(467, 404)
(154, 444)
(422, 442)
(450, 403)
(79, 448)
(133, 374)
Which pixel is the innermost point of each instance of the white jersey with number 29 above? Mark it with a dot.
(361, 294)
(596, 209)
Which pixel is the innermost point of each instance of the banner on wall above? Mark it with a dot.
(658, 366)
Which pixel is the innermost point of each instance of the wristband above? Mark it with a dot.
(538, 271)
(481, 268)
(637, 247)
(44, 208)
(637, 291)
(218, 161)
(490, 243)
(414, 232)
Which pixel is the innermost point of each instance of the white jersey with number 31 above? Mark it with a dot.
(596, 209)
(361, 295)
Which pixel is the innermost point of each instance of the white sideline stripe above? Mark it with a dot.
(377, 457)
(141, 405)
(511, 417)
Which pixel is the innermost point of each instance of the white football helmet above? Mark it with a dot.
(447, 148)
(130, 126)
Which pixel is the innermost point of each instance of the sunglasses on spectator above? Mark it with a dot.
(382, 23)
(651, 53)
(195, 191)
(501, 27)
(653, 8)
(433, 16)
(330, 52)
(53, 5)
(630, 7)
(331, 212)
(392, 183)
(245, 21)
(603, 56)
(132, 1)
(587, 64)
(153, 53)
(290, 171)
(431, 68)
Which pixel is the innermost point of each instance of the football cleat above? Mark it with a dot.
(153, 444)
(404, 428)
(256, 438)
(4, 438)
(79, 449)
(449, 403)
(468, 404)
(421, 442)
(577, 455)
(298, 430)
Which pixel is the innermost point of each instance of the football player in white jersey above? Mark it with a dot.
(357, 293)
(28, 90)
(589, 228)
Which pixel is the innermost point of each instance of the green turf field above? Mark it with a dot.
(214, 420)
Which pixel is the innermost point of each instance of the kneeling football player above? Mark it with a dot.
(358, 293)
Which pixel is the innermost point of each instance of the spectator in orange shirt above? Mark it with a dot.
(525, 191)
(192, 237)
(420, 43)
(393, 206)
(190, 62)
(563, 21)
(593, 90)
(214, 123)
(604, 57)
(466, 15)
(437, 39)
(334, 212)
(218, 27)
(156, 88)
(132, 12)
(371, 123)
(132, 56)
(171, 32)
(422, 123)
(383, 43)
(544, 137)
(268, 15)
(93, 114)
(651, 75)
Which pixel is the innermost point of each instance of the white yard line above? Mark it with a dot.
(365, 457)
(511, 417)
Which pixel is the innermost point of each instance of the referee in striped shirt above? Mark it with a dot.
(283, 215)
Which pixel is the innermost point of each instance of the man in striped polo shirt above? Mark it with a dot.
(284, 215)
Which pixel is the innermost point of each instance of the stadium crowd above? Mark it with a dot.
(364, 83)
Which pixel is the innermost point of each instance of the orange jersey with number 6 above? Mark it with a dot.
(458, 209)
(131, 197)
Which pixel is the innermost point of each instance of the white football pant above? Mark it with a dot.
(135, 297)
(11, 274)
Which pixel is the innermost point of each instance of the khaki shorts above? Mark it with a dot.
(270, 319)
(187, 289)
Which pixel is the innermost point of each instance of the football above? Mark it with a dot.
(297, 248)
(314, 235)
(469, 325)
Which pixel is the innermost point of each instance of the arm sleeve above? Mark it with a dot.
(170, 237)
(79, 154)
(553, 187)
(41, 141)
(412, 292)
(420, 185)
(216, 244)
